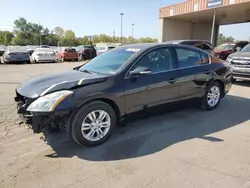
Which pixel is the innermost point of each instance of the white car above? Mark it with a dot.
(43, 55)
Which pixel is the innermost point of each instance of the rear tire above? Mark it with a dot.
(93, 124)
(212, 96)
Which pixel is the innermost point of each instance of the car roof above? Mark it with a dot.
(147, 46)
(191, 41)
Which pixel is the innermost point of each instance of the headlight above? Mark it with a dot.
(48, 102)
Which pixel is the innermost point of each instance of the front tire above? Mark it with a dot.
(212, 96)
(93, 124)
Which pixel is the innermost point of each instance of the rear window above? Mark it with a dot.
(44, 50)
(206, 47)
(17, 50)
(70, 50)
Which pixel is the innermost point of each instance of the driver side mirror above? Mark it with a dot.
(140, 71)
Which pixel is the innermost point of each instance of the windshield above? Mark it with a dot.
(108, 63)
(14, 50)
(225, 47)
(246, 48)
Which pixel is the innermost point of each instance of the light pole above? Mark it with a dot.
(121, 25)
(40, 37)
(132, 30)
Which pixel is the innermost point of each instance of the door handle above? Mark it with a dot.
(171, 80)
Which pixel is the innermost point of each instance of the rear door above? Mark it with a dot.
(193, 72)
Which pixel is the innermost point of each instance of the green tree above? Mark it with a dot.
(59, 31)
(222, 39)
(69, 39)
(83, 41)
(52, 39)
(6, 37)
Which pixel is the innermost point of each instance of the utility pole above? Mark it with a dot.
(132, 31)
(121, 25)
(40, 37)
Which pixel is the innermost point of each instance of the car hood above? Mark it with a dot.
(48, 83)
(221, 51)
(240, 54)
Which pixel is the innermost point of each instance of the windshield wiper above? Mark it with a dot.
(86, 71)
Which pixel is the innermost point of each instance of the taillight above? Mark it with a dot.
(84, 52)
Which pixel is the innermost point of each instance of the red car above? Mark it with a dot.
(224, 50)
(68, 54)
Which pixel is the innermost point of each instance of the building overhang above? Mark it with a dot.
(229, 14)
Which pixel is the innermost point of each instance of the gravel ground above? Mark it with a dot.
(187, 148)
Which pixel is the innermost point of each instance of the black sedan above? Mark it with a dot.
(89, 102)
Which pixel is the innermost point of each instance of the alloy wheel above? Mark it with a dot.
(96, 125)
(213, 96)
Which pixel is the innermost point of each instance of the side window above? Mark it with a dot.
(157, 60)
(206, 47)
(188, 58)
(205, 58)
(199, 46)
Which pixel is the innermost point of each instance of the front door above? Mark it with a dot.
(156, 88)
(193, 74)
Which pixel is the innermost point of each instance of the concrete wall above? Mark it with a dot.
(173, 30)
(177, 30)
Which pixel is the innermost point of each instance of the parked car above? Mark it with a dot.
(43, 55)
(67, 54)
(86, 52)
(222, 51)
(90, 100)
(30, 51)
(202, 44)
(103, 49)
(2, 50)
(240, 61)
(16, 55)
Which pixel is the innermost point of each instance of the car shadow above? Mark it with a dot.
(141, 137)
(242, 83)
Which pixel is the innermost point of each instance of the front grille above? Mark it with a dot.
(240, 65)
(241, 61)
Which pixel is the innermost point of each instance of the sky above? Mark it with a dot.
(89, 17)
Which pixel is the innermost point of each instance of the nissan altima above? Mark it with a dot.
(89, 101)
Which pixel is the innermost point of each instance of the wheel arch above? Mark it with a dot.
(221, 84)
(108, 101)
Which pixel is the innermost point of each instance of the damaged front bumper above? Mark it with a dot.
(39, 121)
